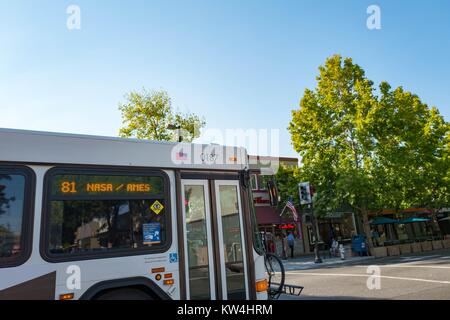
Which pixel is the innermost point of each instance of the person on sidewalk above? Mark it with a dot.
(290, 240)
(375, 238)
(272, 246)
(334, 247)
(283, 246)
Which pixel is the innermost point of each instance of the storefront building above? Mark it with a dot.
(340, 226)
(410, 225)
(273, 226)
(387, 228)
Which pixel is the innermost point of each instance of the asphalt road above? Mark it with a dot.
(425, 276)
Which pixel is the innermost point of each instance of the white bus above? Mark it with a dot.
(86, 217)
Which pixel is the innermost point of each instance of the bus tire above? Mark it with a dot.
(124, 294)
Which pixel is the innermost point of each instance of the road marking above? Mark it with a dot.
(419, 257)
(407, 266)
(366, 276)
(411, 259)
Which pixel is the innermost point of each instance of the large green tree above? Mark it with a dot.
(411, 150)
(149, 115)
(433, 182)
(362, 146)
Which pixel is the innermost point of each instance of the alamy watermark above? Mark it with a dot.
(73, 281)
(74, 17)
(374, 280)
(210, 150)
(374, 20)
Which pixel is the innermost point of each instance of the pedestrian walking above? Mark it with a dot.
(290, 240)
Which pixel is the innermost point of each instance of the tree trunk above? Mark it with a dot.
(435, 220)
(366, 227)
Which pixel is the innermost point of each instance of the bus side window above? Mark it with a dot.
(14, 215)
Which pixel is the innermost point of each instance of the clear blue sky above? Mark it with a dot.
(241, 64)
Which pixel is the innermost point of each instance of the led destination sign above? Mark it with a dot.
(71, 187)
(79, 185)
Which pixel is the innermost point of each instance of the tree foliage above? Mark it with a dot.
(287, 181)
(147, 115)
(4, 201)
(366, 147)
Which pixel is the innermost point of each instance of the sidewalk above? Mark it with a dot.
(307, 262)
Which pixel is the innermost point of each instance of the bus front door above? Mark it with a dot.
(216, 265)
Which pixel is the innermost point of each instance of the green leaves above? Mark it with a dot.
(287, 181)
(372, 149)
(147, 115)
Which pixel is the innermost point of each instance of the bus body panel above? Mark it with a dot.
(42, 147)
(91, 271)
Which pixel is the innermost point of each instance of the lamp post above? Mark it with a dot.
(178, 128)
(317, 258)
(306, 198)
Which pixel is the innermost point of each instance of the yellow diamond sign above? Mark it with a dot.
(157, 207)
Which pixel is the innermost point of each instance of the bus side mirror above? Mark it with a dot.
(244, 176)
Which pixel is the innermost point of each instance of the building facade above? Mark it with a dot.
(410, 225)
(274, 224)
(388, 227)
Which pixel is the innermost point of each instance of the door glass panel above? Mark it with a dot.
(197, 242)
(231, 228)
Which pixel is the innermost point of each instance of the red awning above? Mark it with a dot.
(269, 215)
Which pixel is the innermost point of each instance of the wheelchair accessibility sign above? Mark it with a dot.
(173, 258)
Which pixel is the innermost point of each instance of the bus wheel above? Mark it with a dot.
(124, 294)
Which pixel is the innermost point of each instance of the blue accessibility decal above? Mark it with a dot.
(151, 233)
(173, 258)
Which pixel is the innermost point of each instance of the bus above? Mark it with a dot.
(100, 218)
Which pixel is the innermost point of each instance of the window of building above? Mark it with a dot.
(14, 215)
(262, 182)
(93, 213)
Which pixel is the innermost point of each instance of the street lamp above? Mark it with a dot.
(178, 128)
(317, 258)
(306, 198)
